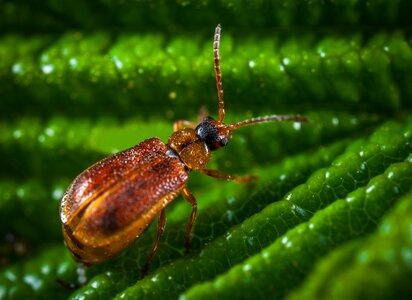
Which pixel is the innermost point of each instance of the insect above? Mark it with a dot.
(111, 204)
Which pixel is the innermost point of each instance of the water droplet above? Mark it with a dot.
(251, 64)
(350, 199)
(45, 269)
(370, 189)
(117, 62)
(229, 215)
(321, 53)
(10, 276)
(406, 254)
(57, 193)
(396, 190)
(298, 210)
(246, 267)
(20, 192)
(390, 174)
(73, 62)
(41, 138)
(33, 281)
(228, 236)
(282, 68)
(49, 131)
(17, 68)
(286, 61)
(17, 133)
(297, 125)
(47, 69)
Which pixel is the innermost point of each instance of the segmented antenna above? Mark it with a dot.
(216, 44)
(273, 118)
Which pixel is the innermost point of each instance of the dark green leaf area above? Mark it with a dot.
(355, 270)
(261, 229)
(95, 74)
(23, 207)
(282, 265)
(53, 16)
(362, 160)
(57, 147)
(37, 277)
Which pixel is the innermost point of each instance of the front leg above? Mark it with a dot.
(183, 124)
(180, 124)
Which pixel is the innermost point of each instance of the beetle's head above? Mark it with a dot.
(214, 133)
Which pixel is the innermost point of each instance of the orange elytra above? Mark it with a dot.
(111, 204)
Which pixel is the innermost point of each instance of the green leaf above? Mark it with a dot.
(328, 217)
(360, 263)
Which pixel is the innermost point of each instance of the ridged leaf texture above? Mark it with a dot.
(329, 216)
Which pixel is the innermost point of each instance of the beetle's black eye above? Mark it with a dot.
(211, 135)
(207, 132)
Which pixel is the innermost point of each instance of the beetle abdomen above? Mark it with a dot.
(114, 201)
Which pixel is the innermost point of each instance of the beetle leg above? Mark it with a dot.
(161, 224)
(192, 200)
(182, 124)
(221, 175)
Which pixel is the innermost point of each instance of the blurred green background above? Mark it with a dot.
(330, 216)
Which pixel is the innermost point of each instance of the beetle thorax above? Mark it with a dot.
(191, 149)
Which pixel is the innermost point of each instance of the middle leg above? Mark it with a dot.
(221, 175)
(192, 200)
(161, 224)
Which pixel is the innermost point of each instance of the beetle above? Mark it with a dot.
(113, 202)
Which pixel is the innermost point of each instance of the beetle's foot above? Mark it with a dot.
(144, 271)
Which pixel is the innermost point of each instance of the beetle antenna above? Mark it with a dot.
(272, 118)
(216, 44)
